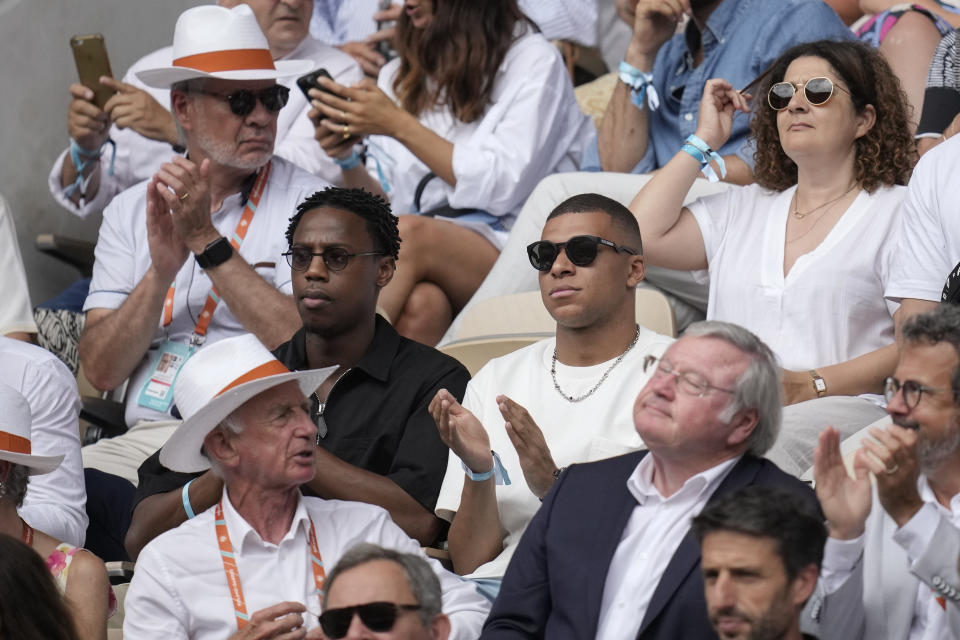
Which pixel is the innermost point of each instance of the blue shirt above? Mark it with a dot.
(741, 39)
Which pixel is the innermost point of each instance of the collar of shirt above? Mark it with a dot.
(926, 494)
(640, 483)
(243, 536)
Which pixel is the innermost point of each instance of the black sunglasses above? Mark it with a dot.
(334, 258)
(816, 91)
(580, 250)
(379, 617)
(244, 101)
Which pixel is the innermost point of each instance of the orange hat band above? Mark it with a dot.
(272, 368)
(14, 444)
(231, 60)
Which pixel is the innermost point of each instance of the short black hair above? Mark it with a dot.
(621, 216)
(942, 324)
(795, 523)
(381, 223)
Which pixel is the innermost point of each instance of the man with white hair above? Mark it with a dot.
(256, 561)
(127, 140)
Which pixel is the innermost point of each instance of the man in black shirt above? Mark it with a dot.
(377, 442)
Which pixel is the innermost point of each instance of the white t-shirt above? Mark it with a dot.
(830, 307)
(123, 257)
(532, 128)
(598, 427)
(138, 158)
(929, 228)
(180, 588)
(16, 312)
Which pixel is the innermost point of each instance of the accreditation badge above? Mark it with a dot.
(157, 392)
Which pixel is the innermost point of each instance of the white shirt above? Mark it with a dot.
(651, 537)
(532, 128)
(123, 257)
(929, 236)
(139, 158)
(55, 501)
(180, 589)
(830, 306)
(598, 427)
(16, 312)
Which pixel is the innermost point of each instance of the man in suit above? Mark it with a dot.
(610, 553)
(896, 572)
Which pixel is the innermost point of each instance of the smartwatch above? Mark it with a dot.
(215, 253)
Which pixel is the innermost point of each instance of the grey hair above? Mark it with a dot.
(15, 486)
(942, 324)
(193, 85)
(231, 424)
(423, 581)
(757, 388)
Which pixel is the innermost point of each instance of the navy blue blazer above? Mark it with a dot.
(554, 584)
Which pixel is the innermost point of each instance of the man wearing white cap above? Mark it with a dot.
(194, 255)
(137, 118)
(256, 561)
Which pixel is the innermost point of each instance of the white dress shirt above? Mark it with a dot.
(597, 427)
(55, 501)
(139, 158)
(16, 312)
(123, 257)
(651, 537)
(180, 589)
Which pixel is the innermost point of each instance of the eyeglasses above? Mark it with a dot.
(243, 102)
(580, 250)
(689, 382)
(816, 91)
(912, 391)
(334, 258)
(379, 617)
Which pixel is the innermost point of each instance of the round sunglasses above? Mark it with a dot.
(334, 258)
(378, 617)
(580, 250)
(816, 91)
(243, 102)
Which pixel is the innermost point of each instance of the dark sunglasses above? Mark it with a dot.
(580, 250)
(816, 91)
(379, 617)
(334, 258)
(244, 101)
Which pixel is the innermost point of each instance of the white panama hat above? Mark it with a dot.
(15, 424)
(215, 42)
(217, 381)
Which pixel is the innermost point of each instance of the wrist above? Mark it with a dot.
(640, 56)
(903, 513)
(713, 141)
(847, 532)
(199, 241)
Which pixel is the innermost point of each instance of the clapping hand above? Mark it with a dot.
(527, 438)
(462, 432)
(845, 501)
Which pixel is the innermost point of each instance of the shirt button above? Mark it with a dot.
(688, 117)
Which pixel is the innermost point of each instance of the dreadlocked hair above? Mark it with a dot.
(375, 211)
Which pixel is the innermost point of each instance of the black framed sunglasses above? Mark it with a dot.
(580, 250)
(379, 617)
(243, 102)
(334, 258)
(816, 91)
(912, 391)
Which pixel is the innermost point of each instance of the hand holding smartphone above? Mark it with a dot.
(90, 54)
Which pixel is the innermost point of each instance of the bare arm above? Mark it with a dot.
(87, 595)
(89, 127)
(910, 307)
(863, 374)
(161, 512)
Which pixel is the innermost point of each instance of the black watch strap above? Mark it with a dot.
(215, 253)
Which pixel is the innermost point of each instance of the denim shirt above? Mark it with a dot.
(741, 39)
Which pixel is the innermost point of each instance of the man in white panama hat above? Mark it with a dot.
(138, 120)
(194, 254)
(256, 561)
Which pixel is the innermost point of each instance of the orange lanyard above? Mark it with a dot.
(203, 323)
(233, 574)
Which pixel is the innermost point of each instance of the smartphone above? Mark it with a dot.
(90, 54)
(384, 47)
(311, 81)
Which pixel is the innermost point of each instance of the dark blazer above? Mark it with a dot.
(554, 584)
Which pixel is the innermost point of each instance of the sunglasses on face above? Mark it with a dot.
(378, 617)
(816, 91)
(243, 102)
(580, 250)
(334, 258)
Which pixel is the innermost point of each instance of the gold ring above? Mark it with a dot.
(890, 472)
(346, 131)
(184, 196)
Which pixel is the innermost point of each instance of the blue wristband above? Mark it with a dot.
(185, 495)
(497, 470)
(641, 86)
(349, 162)
(703, 154)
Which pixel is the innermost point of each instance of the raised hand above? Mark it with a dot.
(461, 431)
(892, 457)
(361, 110)
(167, 250)
(86, 122)
(654, 22)
(186, 190)
(280, 622)
(527, 438)
(719, 105)
(136, 109)
(845, 501)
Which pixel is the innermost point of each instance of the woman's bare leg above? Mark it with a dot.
(909, 49)
(427, 314)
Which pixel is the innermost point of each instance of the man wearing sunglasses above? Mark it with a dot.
(897, 542)
(138, 121)
(559, 401)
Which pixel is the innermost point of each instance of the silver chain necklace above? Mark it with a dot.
(556, 385)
